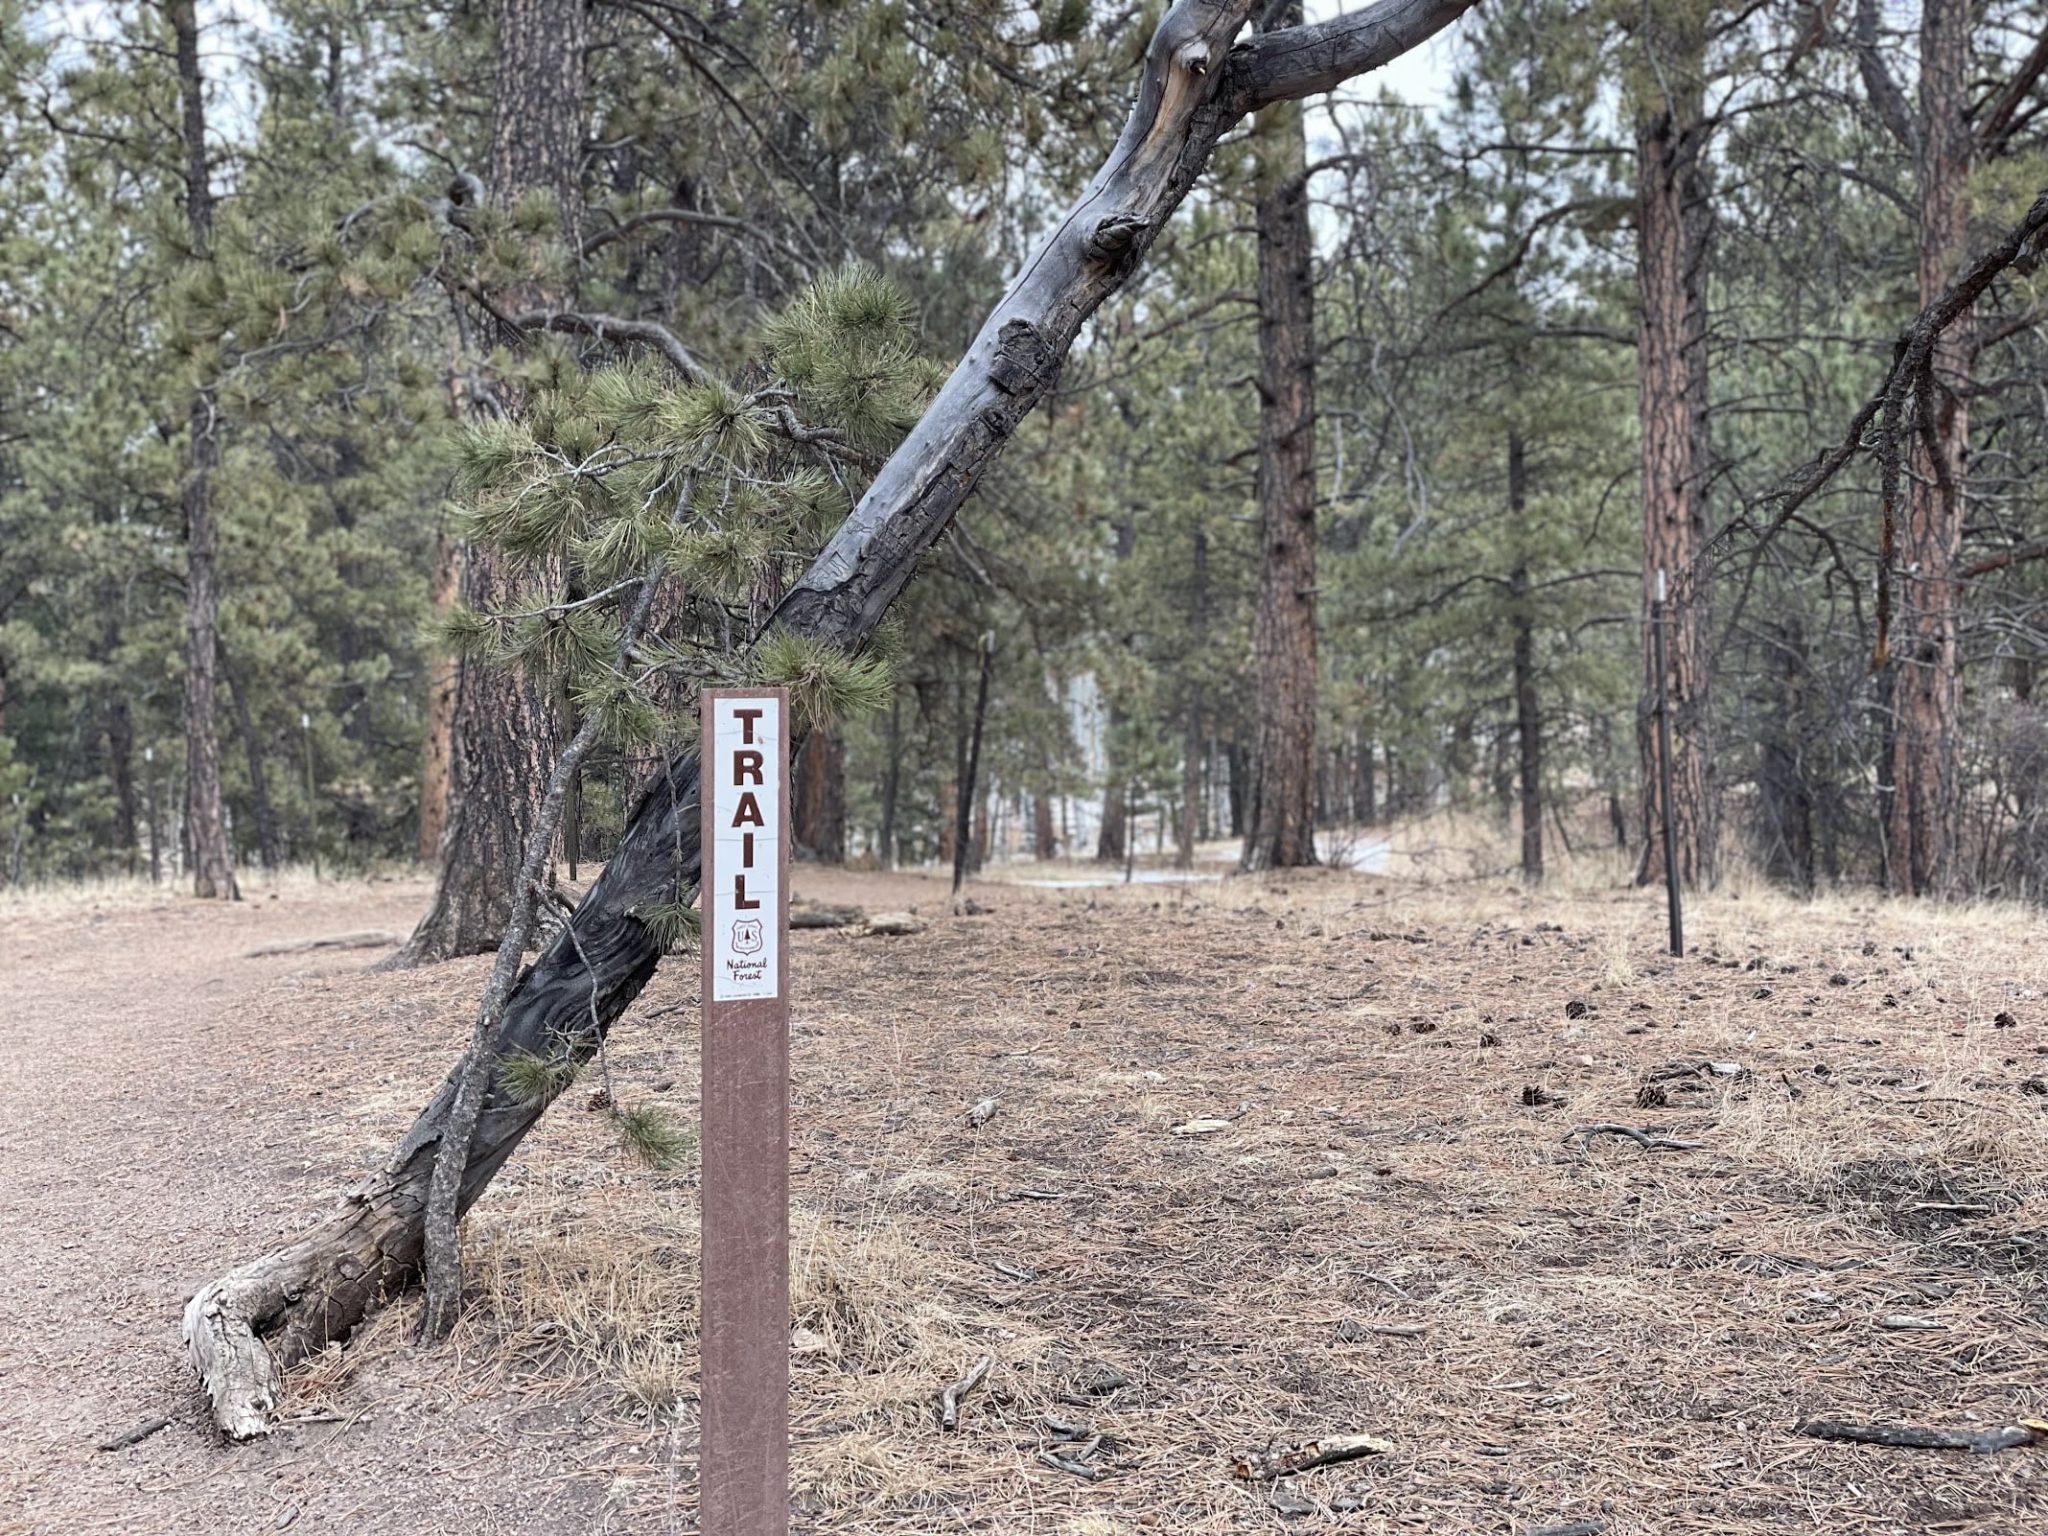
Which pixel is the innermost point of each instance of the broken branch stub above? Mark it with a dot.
(246, 1327)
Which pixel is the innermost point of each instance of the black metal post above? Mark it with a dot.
(963, 824)
(1671, 895)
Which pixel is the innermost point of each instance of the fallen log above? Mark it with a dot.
(368, 939)
(245, 1328)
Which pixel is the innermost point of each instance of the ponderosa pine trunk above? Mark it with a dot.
(206, 821)
(1925, 656)
(1280, 814)
(500, 742)
(1673, 221)
(820, 797)
(243, 1328)
(1045, 842)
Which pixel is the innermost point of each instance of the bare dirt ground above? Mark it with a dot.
(1271, 1158)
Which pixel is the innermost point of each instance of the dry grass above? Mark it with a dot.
(1603, 1331)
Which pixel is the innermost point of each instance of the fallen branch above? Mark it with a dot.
(1644, 1139)
(1285, 1458)
(1981, 1442)
(825, 915)
(134, 1436)
(1076, 1462)
(369, 938)
(949, 1400)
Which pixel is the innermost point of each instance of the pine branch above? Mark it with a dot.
(615, 329)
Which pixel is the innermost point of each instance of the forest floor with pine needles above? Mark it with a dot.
(1271, 1160)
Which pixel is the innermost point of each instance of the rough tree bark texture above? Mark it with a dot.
(243, 1328)
(1920, 808)
(500, 732)
(1281, 813)
(821, 797)
(1672, 227)
(206, 823)
(1114, 829)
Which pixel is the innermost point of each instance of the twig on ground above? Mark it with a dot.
(949, 1400)
(1981, 1442)
(134, 1436)
(1077, 1462)
(1647, 1140)
(1285, 1458)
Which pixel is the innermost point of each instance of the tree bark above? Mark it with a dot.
(243, 1328)
(1920, 810)
(501, 729)
(1114, 831)
(821, 798)
(1281, 813)
(1672, 227)
(206, 826)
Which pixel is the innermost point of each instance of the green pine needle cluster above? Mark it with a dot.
(719, 489)
(536, 1081)
(654, 1136)
(673, 925)
(826, 685)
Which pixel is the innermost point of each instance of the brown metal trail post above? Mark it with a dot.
(743, 1475)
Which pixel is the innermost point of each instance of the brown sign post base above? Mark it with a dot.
(743, 1479)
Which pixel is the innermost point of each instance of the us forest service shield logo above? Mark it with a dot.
(746, 935)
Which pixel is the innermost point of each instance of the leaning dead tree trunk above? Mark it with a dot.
(245, 1328)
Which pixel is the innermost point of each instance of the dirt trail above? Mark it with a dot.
(151, 1131)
